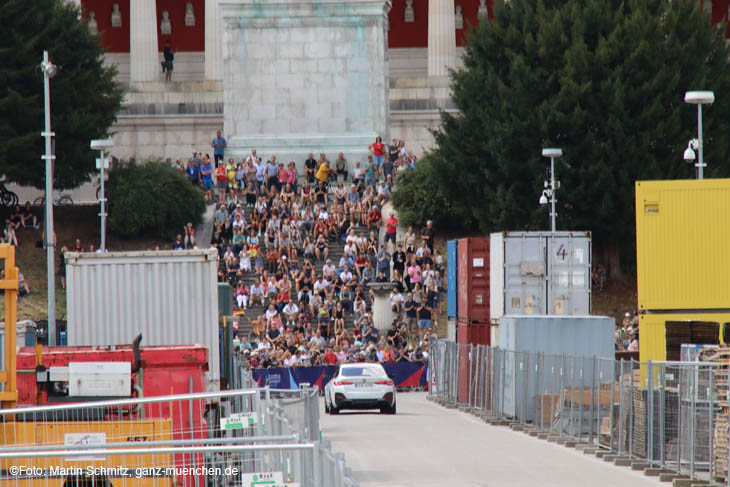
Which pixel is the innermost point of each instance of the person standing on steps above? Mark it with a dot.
(219, 146)
(169, 58)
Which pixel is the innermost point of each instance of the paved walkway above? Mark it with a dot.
(425, 445)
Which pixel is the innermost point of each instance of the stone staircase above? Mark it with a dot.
(336, 251)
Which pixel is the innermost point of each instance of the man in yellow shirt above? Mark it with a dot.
(323, 173)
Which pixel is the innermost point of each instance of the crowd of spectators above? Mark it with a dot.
(274, 229)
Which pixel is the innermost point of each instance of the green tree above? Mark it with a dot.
(152, 199)
(602, 79)
(84, 95)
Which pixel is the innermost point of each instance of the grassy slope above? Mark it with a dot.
(70, 223)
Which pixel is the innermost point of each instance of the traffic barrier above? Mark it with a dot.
(671, 416)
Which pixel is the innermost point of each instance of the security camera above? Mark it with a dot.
(689, 152)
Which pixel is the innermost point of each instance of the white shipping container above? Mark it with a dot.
(171, 297)
(539, 273)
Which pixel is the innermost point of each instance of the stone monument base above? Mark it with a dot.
(296, 148)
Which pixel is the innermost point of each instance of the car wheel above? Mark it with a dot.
(326, 406)
(334, 410)
(388, 409)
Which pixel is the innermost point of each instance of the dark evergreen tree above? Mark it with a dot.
(602, 79)
(84, 95)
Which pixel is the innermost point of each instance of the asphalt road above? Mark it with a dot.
(425, 445)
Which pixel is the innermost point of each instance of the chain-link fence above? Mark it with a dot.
(667, 415)
(216, 439)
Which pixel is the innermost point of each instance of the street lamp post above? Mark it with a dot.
(698, 98)
(101, 164)
(549, 191)
(49, 71)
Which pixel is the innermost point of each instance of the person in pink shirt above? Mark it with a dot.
(414, 273)
(292, 176)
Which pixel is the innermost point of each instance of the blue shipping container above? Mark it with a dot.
(452, 262)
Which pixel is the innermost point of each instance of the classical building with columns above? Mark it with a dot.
(171, 119)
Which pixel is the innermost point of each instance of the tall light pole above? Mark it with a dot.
(49, 71)
(549, 191)
(698, 98)
(101, 164)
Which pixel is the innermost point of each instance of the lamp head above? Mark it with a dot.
(699, 97)
(552, 152)
(99, 144)
(543, 198)
(689, 154)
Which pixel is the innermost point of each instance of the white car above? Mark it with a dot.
(360, 386)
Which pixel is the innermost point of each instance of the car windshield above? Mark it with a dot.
(363, 372)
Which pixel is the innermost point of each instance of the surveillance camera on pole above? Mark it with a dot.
(698, 98)
(549, 192)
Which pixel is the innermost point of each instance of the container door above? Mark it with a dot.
(496, 277)
(524, 264)
(569, 267)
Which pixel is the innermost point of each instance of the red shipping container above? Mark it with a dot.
(473, 287)
(473, 333)
(166, 370)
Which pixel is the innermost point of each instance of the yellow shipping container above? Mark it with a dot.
(653, 331)
(682, 241)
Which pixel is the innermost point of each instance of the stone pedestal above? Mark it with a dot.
(382, 312)
(143, 53)
(441, 37)
(305, 76)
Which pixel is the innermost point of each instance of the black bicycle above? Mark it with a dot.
(7, 197)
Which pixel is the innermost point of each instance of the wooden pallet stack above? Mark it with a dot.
(720, 435)
(677, 333)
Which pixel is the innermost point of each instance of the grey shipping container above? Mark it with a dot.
(539, 273)
(171, 297)
(580, 348)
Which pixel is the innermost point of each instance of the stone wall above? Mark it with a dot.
(305, 76)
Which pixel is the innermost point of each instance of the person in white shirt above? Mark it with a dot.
(328, 270)
(346, 275)
(396, 301)
(271, 312)
(319, 285)
(290, 311)
(350, 249)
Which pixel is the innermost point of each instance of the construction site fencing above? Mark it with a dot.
(667, 415)
(239, 437)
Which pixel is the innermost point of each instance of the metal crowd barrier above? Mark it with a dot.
(667, 415)
(218, 439)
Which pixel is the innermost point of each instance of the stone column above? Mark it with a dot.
(213, 39)
(144, 64)
(441, 37)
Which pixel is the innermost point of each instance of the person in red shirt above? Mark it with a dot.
(391, 228)
(329, 356)
(222, 182)
(378, 150)
(374, 218)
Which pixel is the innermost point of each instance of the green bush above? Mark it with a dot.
(417, 198)
(152, 199)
